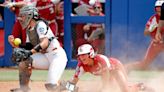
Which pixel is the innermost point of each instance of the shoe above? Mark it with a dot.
(145, 88)
(52, 87)
(20, 90)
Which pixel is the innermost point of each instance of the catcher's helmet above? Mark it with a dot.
(26, 14)
(159, 3)
(86, 49)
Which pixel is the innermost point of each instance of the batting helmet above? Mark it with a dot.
(26, 14)
(159, 3)
(86, 49)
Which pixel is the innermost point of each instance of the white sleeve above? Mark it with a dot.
(55, 1)
(41, 29)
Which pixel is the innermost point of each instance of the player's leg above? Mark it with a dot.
(40, 61)
(152, 52)
(119, 74)
(25, 69)
(58, 63)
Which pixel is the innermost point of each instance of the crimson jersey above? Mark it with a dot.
(101, 62)
(46, 9)
(17, 32)
(60, 21)
(154, 19)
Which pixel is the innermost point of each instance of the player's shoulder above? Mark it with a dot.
(100, 56)
(153, 16)
(41, 23)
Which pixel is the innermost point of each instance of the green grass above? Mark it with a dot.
(41, 75)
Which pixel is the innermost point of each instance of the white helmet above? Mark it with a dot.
(86, 49)
(92, 2)
(159, 3)
(29, 12)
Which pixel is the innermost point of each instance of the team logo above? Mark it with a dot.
(41, 30)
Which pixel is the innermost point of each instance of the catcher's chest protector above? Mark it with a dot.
(33, 35)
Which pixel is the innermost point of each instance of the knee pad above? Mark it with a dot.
(25, 71)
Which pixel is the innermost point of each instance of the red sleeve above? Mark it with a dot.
(79, 70)
(103, 60)
(149, 21)
(16, 32)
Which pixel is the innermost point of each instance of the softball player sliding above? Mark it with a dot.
(100, 65)
(46, 54)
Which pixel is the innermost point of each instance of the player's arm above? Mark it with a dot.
(78, 72)
(11, 40)
(16, 4)
(95, 34)
(146, 31)
(41, 46)
(44, 40)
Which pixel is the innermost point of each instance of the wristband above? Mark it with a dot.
(37, 48)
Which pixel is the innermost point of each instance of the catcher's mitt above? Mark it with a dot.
(20, 54)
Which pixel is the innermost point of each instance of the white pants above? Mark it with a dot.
(54, 61)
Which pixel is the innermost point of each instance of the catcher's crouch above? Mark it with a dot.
(46, 54)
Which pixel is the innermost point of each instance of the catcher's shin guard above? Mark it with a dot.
(25, 70)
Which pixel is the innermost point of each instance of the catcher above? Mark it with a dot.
(46, 54)
(100, 65)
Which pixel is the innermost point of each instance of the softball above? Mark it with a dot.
(17, 41)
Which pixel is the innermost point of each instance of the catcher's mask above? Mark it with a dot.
(27, 13)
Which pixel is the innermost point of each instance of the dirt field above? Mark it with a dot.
(156, 82)
(39, 86)
(85, 86)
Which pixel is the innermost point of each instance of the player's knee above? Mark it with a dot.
(26, 63)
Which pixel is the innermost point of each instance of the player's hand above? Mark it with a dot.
(70, 87)
(11, 40)
(158, 36)
(27, 53)
(86, 27)
(8, 4)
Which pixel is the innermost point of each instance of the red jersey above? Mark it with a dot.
(101, 62)
(46, 9)
(60, 21)
(17, 32)
(80, 35)
(152, 21)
